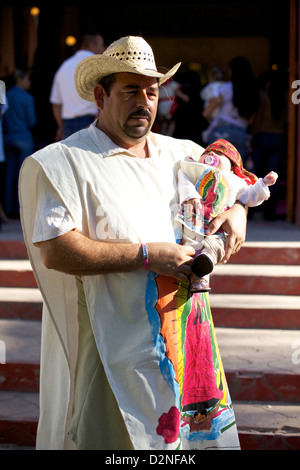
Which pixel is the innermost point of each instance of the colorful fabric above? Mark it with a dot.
(190, 363)
(218, 191)
(229, 150)
(216, 194)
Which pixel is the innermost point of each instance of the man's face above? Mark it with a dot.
(128, 113)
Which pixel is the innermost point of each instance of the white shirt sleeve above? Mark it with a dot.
(255, 194)
(186, 189)
(52, 217)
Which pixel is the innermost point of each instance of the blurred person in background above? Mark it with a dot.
(18, 121)
(3, 108)
(167, 104)
(71, 112)
(238, 99)
(211, 89)
(269, 144)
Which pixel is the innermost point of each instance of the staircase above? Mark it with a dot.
(20, 331)
(255, 304)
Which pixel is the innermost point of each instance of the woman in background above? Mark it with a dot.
(239, 100)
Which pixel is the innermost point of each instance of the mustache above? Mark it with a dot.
(140, 112)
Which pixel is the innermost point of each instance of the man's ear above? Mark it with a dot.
(99, 94)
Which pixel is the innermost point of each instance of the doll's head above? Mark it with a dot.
(223, 155)
(217, 159)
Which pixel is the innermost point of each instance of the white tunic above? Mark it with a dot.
(107, 194)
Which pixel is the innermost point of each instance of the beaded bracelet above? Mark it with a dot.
(145, 255)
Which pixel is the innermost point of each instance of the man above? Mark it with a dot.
(97, 213)
(71, 112)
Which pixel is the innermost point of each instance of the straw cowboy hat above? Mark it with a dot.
(128, 54)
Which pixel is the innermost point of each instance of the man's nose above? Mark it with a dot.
(142, 98)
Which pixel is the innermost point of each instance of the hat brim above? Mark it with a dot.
(91, 70)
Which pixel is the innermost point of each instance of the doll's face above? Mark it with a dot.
(217, 159)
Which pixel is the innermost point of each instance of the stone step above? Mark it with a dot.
(230, 278)
(229, 310)
(259, 349)
(16, 273)
(259, 364)
(227, 279)
(15, 447)
(21, 341)
(18, 418)
(238, 310)
(256, 279)
(256, 311)
(13, 249)
(282, 253)
(268, 426)
(20, 302)
(261, 425)
(253, 252)
(262, 366)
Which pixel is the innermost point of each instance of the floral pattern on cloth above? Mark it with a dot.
(190, 363)
(168, 425)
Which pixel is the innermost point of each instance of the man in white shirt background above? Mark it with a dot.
(71, 112)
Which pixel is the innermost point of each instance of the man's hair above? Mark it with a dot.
(107, 82)
(88, 38)
(20, 74)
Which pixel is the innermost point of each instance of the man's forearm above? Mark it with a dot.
(74, 253)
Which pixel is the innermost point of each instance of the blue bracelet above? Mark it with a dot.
(145, 255)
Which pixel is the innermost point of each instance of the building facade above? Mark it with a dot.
(201, 34)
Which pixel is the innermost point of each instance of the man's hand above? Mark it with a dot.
(171, 259)
(234, 222)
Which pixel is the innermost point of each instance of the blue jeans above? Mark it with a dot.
(76, 124)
